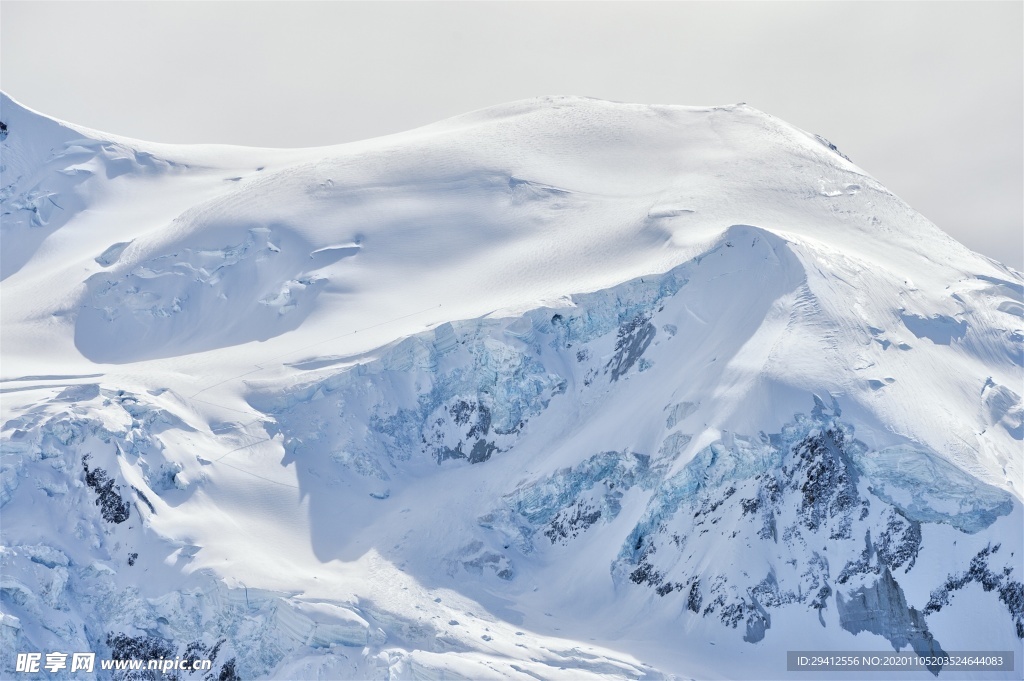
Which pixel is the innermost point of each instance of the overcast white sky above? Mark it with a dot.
(926, 96)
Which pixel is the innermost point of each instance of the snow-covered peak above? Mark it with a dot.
(658, 340)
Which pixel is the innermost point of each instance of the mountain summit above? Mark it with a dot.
(561, 388)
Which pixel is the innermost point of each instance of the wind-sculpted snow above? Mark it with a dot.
(258, 282)
(940, 329)
(1005, 408)
(48, 173)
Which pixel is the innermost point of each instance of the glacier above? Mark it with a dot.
(558, 389)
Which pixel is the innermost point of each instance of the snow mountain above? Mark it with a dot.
(558, 389)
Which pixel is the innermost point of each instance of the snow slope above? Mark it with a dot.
(556, 388)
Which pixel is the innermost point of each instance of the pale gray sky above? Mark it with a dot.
(926, 96)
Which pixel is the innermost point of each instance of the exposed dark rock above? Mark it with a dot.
(142, 647)
(820, 602)
(750, 506)
(769, 594)
(482, 451)
(228, 673)
(144, 499)
(1011, 592)
(446, 453)
(693, 600)
(571, 521)
(645, 572)
(197, 650)
(827, 480)
(113, 508)
(831, 146)
(461, 412)
(867, 563)
(900, 543)
(668, 587)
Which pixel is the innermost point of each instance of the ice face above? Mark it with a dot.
(463, 394)
(565, 504)
(927, 489)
